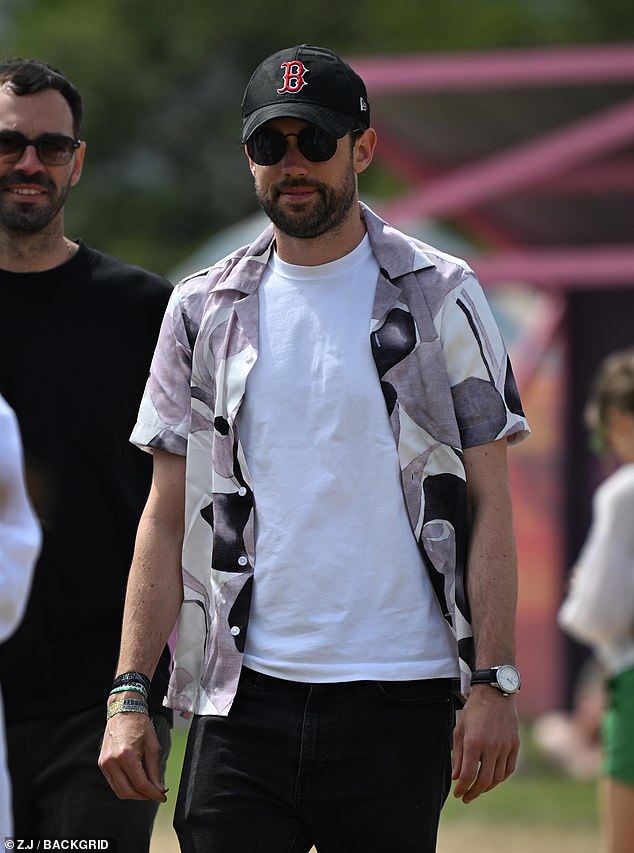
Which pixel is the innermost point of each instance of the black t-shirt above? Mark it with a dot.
(75, 349)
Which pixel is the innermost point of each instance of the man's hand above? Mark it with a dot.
(486, 742)
(129, 758)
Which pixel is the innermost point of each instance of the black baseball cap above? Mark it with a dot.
(308, 83)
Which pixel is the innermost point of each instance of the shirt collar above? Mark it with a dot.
(396, 253)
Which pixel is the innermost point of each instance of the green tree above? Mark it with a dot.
(162, 84)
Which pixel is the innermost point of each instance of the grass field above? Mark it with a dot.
(538, 810)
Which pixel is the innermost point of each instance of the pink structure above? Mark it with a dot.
(530, 155)
(587, 151)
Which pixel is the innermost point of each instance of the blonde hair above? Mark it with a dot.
(612, 388)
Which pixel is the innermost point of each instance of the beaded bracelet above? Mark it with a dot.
(135, 687)
(124, 706)
(127, 677)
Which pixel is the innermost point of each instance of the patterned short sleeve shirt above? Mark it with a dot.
(447, 383)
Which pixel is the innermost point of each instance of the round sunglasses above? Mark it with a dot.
(267, 147)
(53, 149)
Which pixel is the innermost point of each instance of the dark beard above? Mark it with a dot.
(326, 215)
(30, 218)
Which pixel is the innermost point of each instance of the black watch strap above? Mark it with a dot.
(505, 678)
(483, 676)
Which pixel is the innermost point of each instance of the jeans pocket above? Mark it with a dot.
(427, 691)
(250, 680)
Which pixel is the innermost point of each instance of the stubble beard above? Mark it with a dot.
(310, 220)
(26, 217)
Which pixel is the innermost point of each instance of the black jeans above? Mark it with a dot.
(360, 767)
(59, 791)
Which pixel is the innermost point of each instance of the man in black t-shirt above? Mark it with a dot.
(77, 332)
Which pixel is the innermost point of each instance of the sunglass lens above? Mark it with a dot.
(54, 150)
(11, 144)
(316, 145)
(266, 147)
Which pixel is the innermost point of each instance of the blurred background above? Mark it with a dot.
(506, 136)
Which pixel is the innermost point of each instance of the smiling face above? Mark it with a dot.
(32, 195)
(302, 198)
(306, 199)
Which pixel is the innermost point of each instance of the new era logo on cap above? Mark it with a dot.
(308, 83)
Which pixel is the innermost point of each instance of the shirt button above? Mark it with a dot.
(242, 561)
(235, 630)
(242, 491)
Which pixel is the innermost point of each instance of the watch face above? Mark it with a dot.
(508, 678)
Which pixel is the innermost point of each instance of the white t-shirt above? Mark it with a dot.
(340, 590)
(19, 546)
(599, 608)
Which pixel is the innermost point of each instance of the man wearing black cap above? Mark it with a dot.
(340, 399)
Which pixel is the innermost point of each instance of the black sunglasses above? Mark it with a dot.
(53, 149)
(267, 147)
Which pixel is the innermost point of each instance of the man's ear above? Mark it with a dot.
(251, 163)
(78, 164)
(364, 145)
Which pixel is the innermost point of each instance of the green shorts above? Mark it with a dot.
(618, 728)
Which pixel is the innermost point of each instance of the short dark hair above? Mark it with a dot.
(612, 388)
(28, 76)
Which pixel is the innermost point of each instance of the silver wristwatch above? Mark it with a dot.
(505, 677)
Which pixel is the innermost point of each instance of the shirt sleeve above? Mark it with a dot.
(485, 395)
(599, 607)
(164, 414)
(20, 535)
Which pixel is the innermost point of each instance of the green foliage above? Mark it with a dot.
(537, 795)
(162, 84)
(530, 801)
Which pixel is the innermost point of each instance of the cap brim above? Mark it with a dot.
(336, 123)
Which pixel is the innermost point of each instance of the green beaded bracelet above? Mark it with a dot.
(137, 688)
